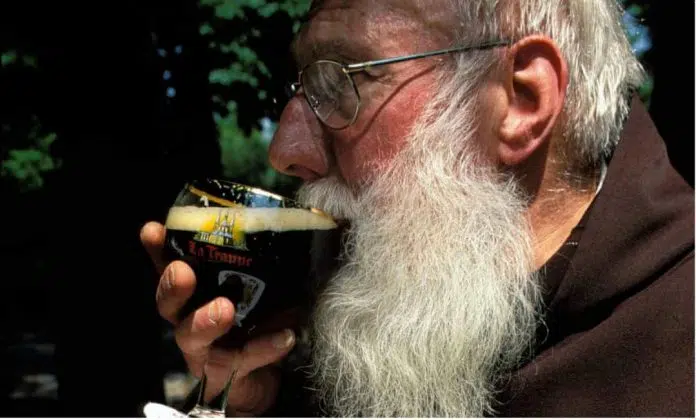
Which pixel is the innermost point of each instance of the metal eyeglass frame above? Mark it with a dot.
(349, 69)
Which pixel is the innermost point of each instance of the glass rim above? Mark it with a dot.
(190, 187)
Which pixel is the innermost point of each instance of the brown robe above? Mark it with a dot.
(620, 297)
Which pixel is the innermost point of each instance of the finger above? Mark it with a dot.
(255, 393)
(251, 385)
(197, 331)
(175, 287)
(152, 236)
(265, 350)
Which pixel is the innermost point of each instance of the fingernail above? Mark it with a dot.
(168, 280)
(283, 339)
(214, 312)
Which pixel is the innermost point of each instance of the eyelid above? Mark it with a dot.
(364, 79)
(374, 71)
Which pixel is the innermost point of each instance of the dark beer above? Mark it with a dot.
(264, 259)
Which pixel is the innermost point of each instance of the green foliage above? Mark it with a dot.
(244, 156)
(28, 165)
(11, 57)
(241, 77)
(231, 9)
(29, 156)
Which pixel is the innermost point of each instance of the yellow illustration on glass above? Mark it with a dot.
(225, 230)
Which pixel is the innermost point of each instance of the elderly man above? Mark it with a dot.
(519, 243)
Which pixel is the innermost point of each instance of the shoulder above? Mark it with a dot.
(637, 360)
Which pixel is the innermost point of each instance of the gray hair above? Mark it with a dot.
(603, 70)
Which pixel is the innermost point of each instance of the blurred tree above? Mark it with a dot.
(28, 165)
(25, 151)
(249, 42)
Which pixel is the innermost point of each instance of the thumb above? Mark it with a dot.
(265, 350)
(251, 384)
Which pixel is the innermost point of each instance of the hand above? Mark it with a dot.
(256, 382)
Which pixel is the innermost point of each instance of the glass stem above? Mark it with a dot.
(217, 406)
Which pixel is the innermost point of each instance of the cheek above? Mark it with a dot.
(362, 149)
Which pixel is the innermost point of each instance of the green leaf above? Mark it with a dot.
(206, 29)
(46, 141)
(235, 73)
(269, 9)
(244, 154)
(11, 57)
(295, 8)
(228, 9)
(29, 61)
(27, 165)
(635, 10)
(8, 58)
(244, 54)
(26, 155)
(263, 69)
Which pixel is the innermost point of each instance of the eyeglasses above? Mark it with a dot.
(330, 90)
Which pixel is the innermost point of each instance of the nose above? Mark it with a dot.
(298, 147)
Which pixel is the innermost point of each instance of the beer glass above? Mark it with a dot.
(262, 251)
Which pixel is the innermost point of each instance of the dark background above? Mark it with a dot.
(104, 146)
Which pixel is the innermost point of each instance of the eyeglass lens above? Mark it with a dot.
(330, 93)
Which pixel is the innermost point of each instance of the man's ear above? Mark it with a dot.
(535, 84)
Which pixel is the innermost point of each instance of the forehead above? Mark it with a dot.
(364, 29)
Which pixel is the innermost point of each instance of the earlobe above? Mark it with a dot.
(536, 88)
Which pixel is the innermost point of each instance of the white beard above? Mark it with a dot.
(437, 299)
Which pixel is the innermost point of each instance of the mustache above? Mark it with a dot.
(333, 196)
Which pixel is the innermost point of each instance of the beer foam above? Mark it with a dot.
(250, 220)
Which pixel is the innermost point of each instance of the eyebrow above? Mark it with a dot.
(329, 49)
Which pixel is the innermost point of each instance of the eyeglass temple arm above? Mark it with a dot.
(352, 68)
